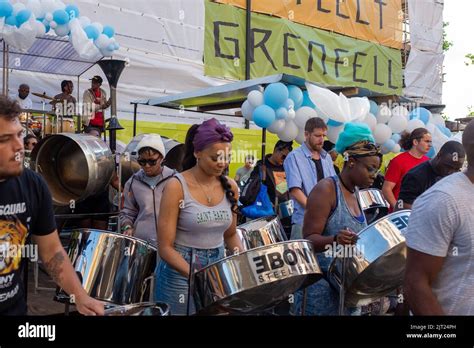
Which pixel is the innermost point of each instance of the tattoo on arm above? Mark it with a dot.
(54, 266)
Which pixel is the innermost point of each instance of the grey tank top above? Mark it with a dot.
(200, 226)
(340, 218)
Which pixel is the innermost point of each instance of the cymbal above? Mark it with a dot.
(43, 95)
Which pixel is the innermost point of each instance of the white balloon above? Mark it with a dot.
(290, 132)
(17, 7)
(431, 127)
(384, 114)
(62, 30)
(382, 133)
(300, 139)
(344, 108)
(303, 114)
(40, 29)
(247, 110)
(414, 124)
(102, 42)
(59, 5)
(398, 124)
(328, 102)
(359, 108)
(49, 6)
(437, 119)
(396, 148)
(36, 8)
(277, 126)
(48, 16)
(255, 98)
(53, 24)
(370, 120)
(333, 133)
(85, 21)
(291, 114)
(400, 111)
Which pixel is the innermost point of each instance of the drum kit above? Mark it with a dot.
(46, 125)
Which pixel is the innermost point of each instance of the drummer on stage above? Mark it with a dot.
(94, 103)
(23, 97)
(335, 220)
(197, 214)
(64, 103)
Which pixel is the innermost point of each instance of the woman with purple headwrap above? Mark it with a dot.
(198, 215)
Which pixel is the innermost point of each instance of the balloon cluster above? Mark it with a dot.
(284, 110)
(20, 24)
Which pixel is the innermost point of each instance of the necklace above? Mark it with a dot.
(209, 199)
(347, 188)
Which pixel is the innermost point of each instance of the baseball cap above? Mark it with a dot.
(97, 78)
(154, 141)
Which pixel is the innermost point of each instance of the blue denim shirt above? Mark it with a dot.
(301, 173)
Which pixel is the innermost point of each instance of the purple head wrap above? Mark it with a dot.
(211, 132)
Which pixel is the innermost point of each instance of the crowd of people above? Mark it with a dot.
(191, 215)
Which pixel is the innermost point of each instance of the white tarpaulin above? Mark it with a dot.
(426, 24)
(164, 41)
(423, 76)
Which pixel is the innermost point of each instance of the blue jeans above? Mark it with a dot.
(172, 288)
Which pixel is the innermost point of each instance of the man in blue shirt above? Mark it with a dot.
(304, 167)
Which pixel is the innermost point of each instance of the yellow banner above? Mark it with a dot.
(378, 21)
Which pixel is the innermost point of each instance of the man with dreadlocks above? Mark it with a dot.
(335, 220)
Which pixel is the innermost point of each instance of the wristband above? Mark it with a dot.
(126, 227)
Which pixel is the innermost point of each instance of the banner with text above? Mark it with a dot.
(281, 46)
(379, 21)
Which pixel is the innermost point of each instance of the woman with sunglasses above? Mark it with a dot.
(333, 214)
(143, 191)
(197, 215)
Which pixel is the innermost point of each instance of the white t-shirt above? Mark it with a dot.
(26, 103)
(442, 224)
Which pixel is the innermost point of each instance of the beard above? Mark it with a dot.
(11, 173)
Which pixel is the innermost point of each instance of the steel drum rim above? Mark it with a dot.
(398, 212)
(254, 249)
(115, 234)
(165, 310)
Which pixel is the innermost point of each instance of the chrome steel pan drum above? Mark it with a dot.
(139, 309)
(261, 232)
(112, 267)
(255, 279)
(377, 264)
(373, 204)
(75, 166)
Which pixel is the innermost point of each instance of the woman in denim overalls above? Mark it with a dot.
(197, 215)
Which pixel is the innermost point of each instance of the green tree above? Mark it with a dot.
(446, 43)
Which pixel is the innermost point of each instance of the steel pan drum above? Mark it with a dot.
(261, 232)
(139, 309)
(173, 159)
(377, 264)
(255, 279)
(75, 166)
(373, 204)
(113, 267)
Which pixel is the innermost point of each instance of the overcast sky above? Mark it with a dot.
(458, 90)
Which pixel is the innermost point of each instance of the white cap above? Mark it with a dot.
(154, 141)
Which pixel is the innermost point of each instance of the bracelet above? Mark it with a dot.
(124, 228)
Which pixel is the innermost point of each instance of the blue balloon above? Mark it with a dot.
(92, 32)
(109, 31)
(420, 114)
(281, 113)
(332, 123)
(396, 137)
(111, 47)
(295, 94)
(6, 9)
(275, 95)
(61, 17)
(389, 144)
(22, 17)
(431, 153)
(11, 20)
(290, 104)
(72, 11)
(263, 116)
(307, 101)
(374, 108)
(444, 130)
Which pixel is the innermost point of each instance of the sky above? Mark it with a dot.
(458, 89)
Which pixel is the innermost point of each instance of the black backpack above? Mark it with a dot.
(249, 192)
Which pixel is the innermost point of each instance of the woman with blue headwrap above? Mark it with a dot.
(333, 215)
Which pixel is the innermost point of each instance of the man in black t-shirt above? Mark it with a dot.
(26, 207)
(449, 160)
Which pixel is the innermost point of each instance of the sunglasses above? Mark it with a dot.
(150, 162)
